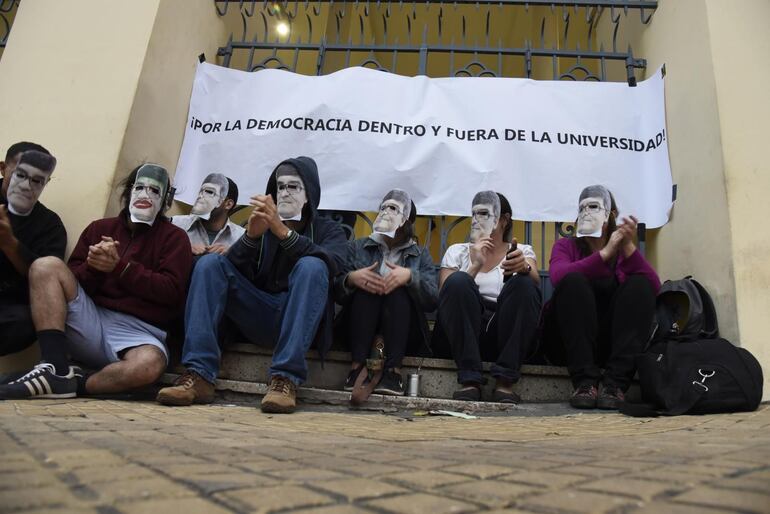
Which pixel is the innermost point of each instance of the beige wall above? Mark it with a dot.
(716, 112)
(59, 94)
(182, 30)
(740, 44)
(104, 85)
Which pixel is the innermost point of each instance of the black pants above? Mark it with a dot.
(389, 315)
(16, 328)
(600, 323)
(507, 336)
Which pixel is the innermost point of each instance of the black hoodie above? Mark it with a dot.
(267, 262)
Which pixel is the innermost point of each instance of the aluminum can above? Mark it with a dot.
(413, 385)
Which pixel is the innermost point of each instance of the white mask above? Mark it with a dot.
(592, 214)
(146, 200)
(390, 218)
(25, 186)
(483, 221)
(291, 196)
(211, 195)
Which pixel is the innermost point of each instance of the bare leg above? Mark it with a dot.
(51, 286)
(140, 366)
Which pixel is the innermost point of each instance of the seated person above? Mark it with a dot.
(603, 304)
(389, 283)
(274, 284)
(126, 279)
(28, 230)
(208, 225)
(489, 301)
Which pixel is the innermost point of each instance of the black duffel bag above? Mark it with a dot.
(705, 376)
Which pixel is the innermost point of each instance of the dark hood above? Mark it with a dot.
(307, 169)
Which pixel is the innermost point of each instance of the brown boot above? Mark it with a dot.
(281, 396)
(189, 388)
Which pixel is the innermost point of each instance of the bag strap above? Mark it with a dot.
(711, 325)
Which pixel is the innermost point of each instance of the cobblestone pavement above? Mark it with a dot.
(111, 456)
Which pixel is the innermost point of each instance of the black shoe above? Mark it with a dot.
(469, 393)
(41, 382)
(610, 397)
(391, 384)
(584, 397)
(505, 397)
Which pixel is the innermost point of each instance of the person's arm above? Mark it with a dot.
(165, 283)
(564, 261)
(342, 290)
(89, 278)
(331, 242)
(51, 240)
(450, 263)
(244, 253)
(423, 283)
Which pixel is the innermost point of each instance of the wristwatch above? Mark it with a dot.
(288, 234)
(529, 269)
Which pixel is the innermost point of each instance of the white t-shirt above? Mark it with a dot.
(458, 256)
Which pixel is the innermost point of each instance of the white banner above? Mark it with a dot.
(441, 139)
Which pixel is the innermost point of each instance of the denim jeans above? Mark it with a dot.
(288, 321)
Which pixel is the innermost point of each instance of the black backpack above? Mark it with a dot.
(698, 377)
(685, 312)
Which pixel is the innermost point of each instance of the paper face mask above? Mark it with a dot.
(592, 214)
(212, 194)
(148, 194)
(26, 184)
(394, 212)
(485, 213)
(291, 195)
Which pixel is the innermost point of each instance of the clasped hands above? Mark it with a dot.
(103, 256)
(265, 217)
(367, 279)
(622, 239)
(204, 249)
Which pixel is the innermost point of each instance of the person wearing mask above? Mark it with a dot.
(602, 310)
(108, 307)
(208, 225)
(28, 230)
(388, 284)
(489, 301)
(274, 285)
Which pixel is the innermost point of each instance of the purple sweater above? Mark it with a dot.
(566, 259)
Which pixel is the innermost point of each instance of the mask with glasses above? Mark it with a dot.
(36, 182)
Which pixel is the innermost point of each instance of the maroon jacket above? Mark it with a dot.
(149, 281)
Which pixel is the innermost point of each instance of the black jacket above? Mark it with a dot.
(267, 262)
(40, 234)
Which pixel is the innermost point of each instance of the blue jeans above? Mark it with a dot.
(288, 320)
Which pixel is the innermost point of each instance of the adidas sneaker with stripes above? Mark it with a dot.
(41, 382)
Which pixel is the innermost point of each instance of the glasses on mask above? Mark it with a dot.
(591, 208)
(291, 188)
(389, 208)
(151, 191)
(37, 182)
(208, 192)
(481, 215)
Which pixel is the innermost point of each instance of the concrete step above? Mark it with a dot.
(249, 363)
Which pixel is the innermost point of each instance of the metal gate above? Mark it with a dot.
(539, 39)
